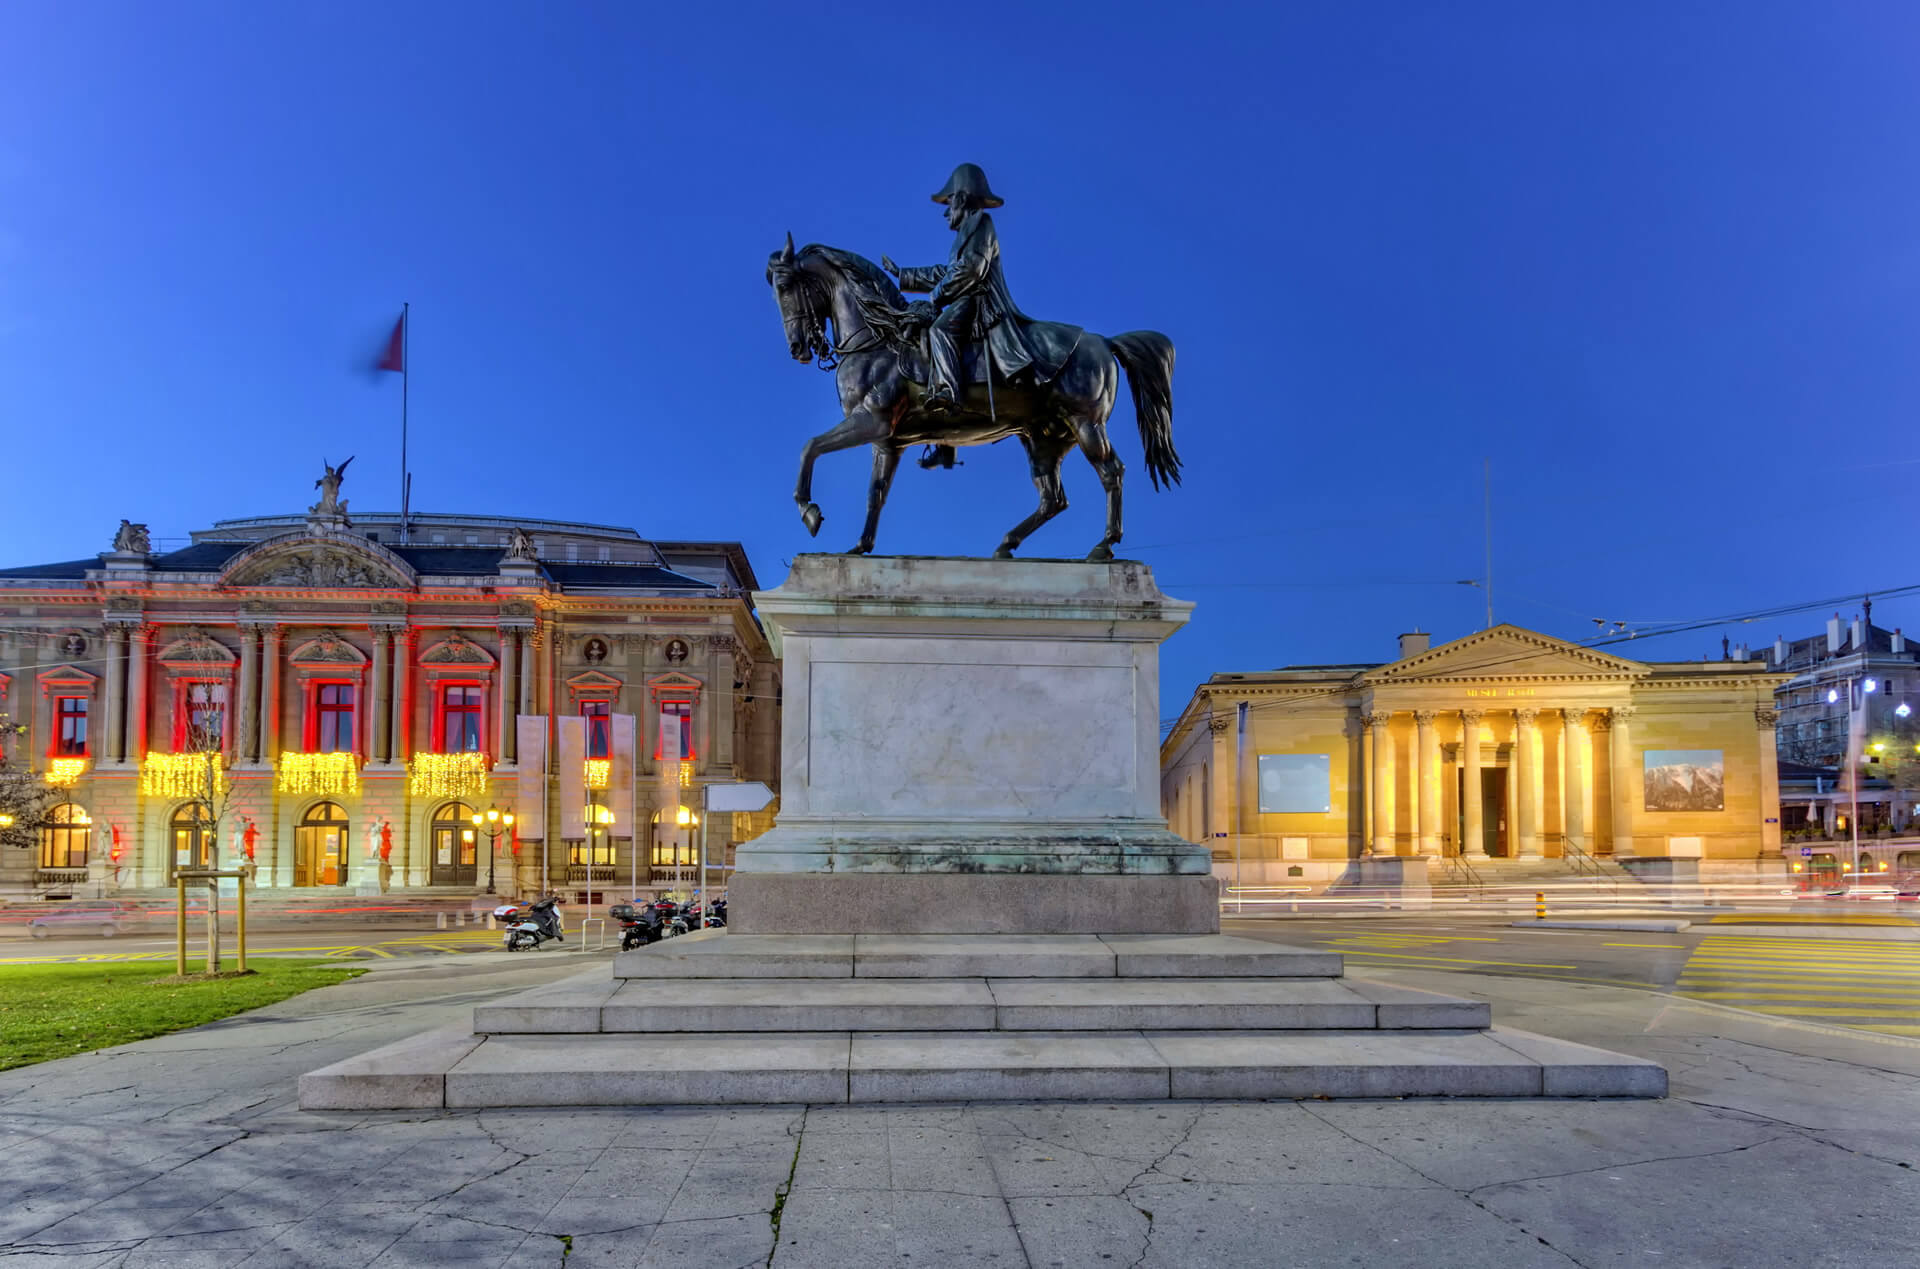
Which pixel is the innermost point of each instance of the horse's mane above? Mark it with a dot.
(864, 273)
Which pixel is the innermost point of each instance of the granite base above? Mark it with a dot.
(959, 903)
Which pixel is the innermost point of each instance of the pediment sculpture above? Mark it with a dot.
(326, 564)
(456, 649)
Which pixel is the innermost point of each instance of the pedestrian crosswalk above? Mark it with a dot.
(1874, 986)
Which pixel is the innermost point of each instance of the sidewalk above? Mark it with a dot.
(1783, 1144)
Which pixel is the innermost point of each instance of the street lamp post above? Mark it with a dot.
(1854, 758)
(494, 823)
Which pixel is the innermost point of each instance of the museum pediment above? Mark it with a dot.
(322, 561)
(1507, 653)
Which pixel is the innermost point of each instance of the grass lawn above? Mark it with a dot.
(55, 1011)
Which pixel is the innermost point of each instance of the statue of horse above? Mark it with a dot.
(881, 374)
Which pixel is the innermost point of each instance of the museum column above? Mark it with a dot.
(270, 696)
(529, 670)
(1620, 765)
(115, 749)
(1766, 720)
(139, 652)
(380, 713)
(1429, 781)
(1380, 727)
(1573, 828)
(399, 735)
(1474, 832)
(245, 745)
(1526, 763)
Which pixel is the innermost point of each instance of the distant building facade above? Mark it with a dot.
(365, 693)
(1505, 744)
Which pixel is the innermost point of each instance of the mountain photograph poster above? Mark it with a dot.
(1685, 780)
(1292, 783)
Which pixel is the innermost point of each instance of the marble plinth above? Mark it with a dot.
(975, 726)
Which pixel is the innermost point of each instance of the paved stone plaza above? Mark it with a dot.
(1783, 1144)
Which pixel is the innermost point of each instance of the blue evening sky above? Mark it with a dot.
(1659, 262)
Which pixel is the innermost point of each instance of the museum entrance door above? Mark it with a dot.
(1493, 810)
(320, 847)
(456, 853)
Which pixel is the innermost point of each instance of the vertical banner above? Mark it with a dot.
(623, 733)
(530, 798)
(572, 769)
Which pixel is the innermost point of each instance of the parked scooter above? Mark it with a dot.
(717, 915)
(533, 925)
(639, 926)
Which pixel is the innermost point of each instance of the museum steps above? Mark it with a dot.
(719, 1017)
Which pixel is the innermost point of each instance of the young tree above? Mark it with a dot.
(24, 796)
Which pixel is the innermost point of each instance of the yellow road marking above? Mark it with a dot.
(1673, 946)
(1454, 960)
(1803, 918)
(1831, 997)
(1805, 1012)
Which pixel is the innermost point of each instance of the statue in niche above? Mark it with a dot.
(519, 544)
(73, 645)
(676, 651)
(132, 538)
(595, 651)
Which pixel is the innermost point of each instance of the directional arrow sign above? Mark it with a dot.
(746, 795)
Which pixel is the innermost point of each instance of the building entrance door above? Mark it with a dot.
(320, 847)
(1493, 810)
(456, 850)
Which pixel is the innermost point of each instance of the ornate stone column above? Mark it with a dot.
(1573, 828)
(1428, 778)
(400, 723)
(1526, 765)
(529, 668)
(270, 699)
(1766, 720)
(1620, 766)
(139, 708)
(114, 748)
(1380, 728)
(1218, 817)
(504, 709)
(380, 715)
(246, 744)
(1475, 829)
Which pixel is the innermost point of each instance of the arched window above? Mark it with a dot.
(456, 849)
(65, 834)
(673, 839)
(320, 846)
(192, 836)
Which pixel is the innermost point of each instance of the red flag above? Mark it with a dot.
(396, 354)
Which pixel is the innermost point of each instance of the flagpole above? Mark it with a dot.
(406, 369)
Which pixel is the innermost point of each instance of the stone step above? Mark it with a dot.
(445, 1069)
(971, 1004)
(723, 954)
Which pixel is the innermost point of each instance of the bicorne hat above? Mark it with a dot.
(968, 179)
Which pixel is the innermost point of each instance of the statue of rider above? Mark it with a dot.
(969, 292)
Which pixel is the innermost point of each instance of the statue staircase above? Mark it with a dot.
(723, 1017)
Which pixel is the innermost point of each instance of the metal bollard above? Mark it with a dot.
(1539, 905)
(439, 920)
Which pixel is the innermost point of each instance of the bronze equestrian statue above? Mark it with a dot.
(965, 367)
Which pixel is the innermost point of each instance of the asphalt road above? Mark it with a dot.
(343, 941)
(1866, 983)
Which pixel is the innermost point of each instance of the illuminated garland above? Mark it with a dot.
(686, 775)
(182, 775)
(599, 772)
(447, 775)
(331, 774)
(64, 772)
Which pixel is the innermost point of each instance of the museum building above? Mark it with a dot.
(339, 698)
(1505, 745)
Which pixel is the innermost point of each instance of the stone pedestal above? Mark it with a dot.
(970, 746)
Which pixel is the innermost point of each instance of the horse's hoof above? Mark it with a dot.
(1100, 554)
(810, 515)
(1004, 553)
(860, 548)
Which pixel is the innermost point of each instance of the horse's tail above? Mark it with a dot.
(1147, 357)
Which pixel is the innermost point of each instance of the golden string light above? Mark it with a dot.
(447, 775)
(331, 774)
(182, 775)
(599, 772)
(64, 772)
(686, 775)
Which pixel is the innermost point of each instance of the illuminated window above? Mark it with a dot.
(205, 710)
(70, 727)
(64, 837)
(676, 731)
(192, 830)
(461, 710)
(599, 716)
(333, 718)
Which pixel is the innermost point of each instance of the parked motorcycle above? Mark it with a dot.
(717, 915)
(639, 926)
(533, 925)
